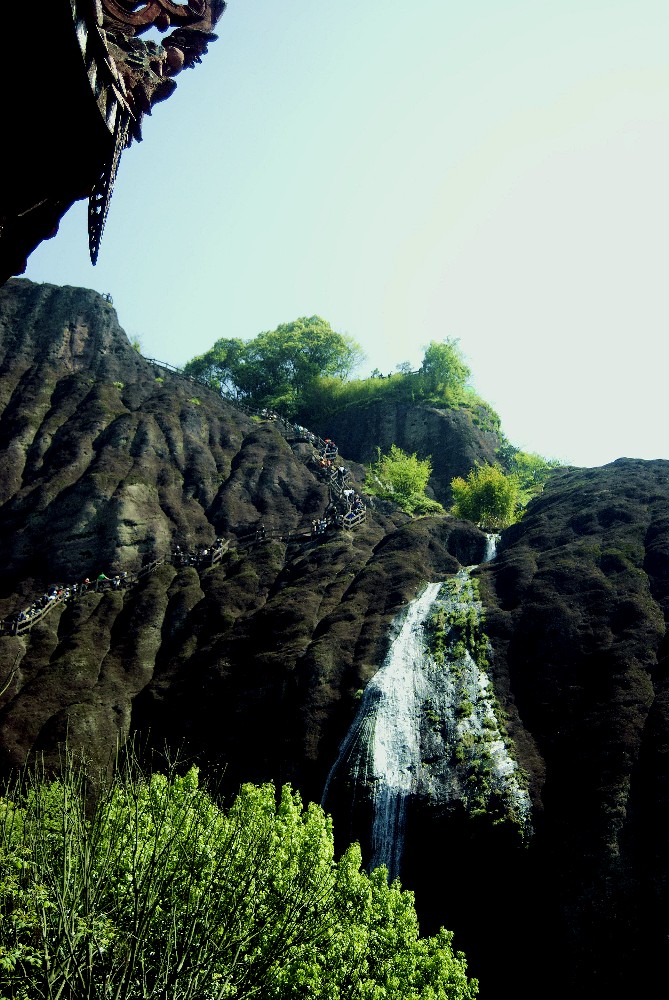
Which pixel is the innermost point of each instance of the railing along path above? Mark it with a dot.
(344, 515)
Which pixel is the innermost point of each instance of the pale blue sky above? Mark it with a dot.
(492, 171)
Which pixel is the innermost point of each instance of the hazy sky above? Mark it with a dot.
(494, 171)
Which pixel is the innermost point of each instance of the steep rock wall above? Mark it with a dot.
(577, 611)
(455, 440)
(109, 462)
(255, 666)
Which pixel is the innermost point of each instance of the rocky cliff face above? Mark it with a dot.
(108, 463)
(454, 440)
(256, 665)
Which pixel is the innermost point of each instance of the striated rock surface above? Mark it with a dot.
(454, 440)
(109, 462)
(256, 666)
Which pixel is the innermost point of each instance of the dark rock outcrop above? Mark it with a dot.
(454, 440)
(108, 462)
(577, 610)
(254, 666)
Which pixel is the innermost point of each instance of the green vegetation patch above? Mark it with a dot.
(403, 479)
(154, 890)
(465, 713)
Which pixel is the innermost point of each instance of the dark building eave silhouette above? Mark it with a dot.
(74, 98)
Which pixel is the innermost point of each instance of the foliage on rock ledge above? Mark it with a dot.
(467, 716)
(403, 479)
(493, 498)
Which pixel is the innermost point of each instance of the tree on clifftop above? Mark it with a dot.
(277, 367)
(217, 367)
(444, 371)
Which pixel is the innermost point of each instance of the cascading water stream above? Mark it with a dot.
(490, 548)
(383, 743)
(427, 723)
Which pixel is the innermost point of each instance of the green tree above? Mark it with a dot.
(218, 367)
(531, 470)
(444, 371)
(153, 890)
(487, 496)
(277, 367)
(403, 479)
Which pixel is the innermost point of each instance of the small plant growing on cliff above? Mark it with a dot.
(487, 496)
(476, 738)
(403, 479)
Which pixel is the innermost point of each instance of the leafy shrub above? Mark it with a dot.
(154, 891)
(530, 469)
(402, 478)
(488, 497)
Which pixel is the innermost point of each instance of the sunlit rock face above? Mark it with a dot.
(258, 666)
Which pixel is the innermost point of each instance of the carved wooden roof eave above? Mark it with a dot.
(135, 18)
(126, 19)
(65, 145)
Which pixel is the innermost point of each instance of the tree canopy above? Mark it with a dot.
(154, 890)
(530, 470)
(303, 369)
(444, 371)
(487, 496)
(276, 368)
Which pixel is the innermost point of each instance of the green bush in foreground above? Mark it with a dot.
(156, 892)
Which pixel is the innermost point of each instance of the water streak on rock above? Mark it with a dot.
(427, 724)
(382, 747)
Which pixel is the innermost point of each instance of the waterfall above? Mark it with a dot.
(490, 548)
(427, 723)
(382, 746)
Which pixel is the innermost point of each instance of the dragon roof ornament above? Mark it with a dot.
(140, 16)
(144, 71)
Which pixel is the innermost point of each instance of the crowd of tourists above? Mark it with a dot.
(202, 555)
(57, 593)
(346, 508)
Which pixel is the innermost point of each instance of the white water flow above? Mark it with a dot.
(490, 548)
(383, 743)
(429, 726)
